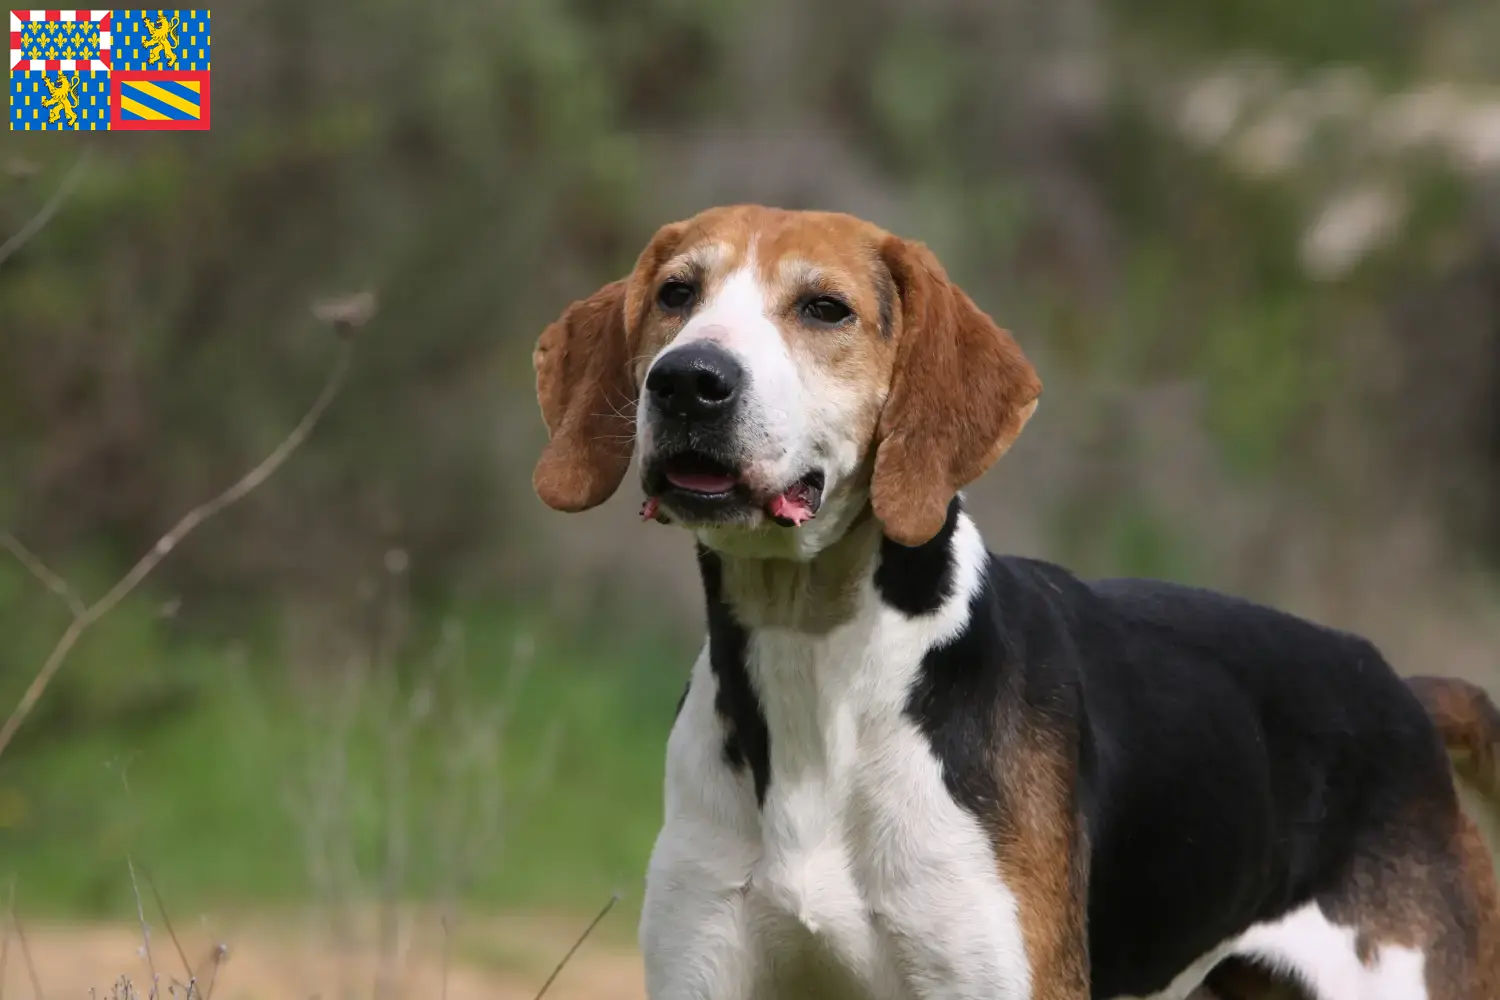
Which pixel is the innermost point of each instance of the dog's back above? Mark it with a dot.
(1253, 769)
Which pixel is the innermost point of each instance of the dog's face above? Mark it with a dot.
(778, 371)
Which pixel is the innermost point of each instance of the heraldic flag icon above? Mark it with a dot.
(98, 70)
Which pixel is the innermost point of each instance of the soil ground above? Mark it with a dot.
(289, 959)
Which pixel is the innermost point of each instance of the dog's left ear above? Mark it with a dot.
(960, 394)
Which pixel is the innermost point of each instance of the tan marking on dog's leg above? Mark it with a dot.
(1043, 858)
(1479, 872)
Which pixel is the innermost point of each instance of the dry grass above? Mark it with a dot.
(288, 957)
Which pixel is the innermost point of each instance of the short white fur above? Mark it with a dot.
(860, 877)
(1318, 954)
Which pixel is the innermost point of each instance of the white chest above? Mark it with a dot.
(858, 876)
(863, 853)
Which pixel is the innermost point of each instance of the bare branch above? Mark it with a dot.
(161, 907)
(61, 195)
(15, 920)
(10, 911)
(447, 953)
(39, 569)
(140, 910)
(168, 542)
(576, 945)
(215, 958)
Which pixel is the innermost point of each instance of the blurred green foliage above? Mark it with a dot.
(492, 766)
(479, 165)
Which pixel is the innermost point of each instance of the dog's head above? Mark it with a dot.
(778, 372)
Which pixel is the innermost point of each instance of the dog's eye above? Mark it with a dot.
(676, 295)
(826, 309)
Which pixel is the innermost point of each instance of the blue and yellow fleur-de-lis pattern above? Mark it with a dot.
(139, 36)
(49, 102)
(60, 40)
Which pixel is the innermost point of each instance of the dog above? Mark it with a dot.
(905, 768)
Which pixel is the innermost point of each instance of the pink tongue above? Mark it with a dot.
(792, 506)
(699, 482)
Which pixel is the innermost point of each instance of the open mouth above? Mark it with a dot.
(693, 472)
(701, 487)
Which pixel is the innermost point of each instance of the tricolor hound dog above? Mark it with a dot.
(908, 769)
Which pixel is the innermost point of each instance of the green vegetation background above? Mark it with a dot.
(1149, 192)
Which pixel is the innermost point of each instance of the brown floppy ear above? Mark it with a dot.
(584, 387)
(960, 393)
(587, 389)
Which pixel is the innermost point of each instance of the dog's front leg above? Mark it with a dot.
(955, 958)
(695, 933)
(969, 919)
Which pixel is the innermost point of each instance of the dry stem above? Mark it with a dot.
(576, 945)
(69, 181)
(85, 616)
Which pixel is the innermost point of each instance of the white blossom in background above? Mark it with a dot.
(1274, 144)
(1417, 118)
(1213, 107)
(1475, 137)
(1352, 225)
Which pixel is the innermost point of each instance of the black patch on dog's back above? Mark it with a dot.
(747, 739)
(1232, 760)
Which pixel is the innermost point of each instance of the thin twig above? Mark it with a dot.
(166, 920)
(216, 958)
(36, 980)
(167, 543)
(10, 911)
(576, 945)
(447, 948)
(39, 569)
(140, 910)
(41, 218)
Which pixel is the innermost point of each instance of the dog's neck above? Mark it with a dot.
(816, 595)
(805, 595)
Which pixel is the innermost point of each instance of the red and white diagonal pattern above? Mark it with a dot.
(17, 19)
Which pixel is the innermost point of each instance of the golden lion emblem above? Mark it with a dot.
(64, 99)
(163, 40)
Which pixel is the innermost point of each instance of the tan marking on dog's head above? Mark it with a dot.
(864, 361)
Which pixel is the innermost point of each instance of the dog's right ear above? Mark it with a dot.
(586, 386)
(588, 402)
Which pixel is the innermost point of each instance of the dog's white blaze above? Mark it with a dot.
(734, 315)
(1321, 955)
(860, 877)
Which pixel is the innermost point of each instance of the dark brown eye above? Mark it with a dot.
(674, 295)
(827, 310)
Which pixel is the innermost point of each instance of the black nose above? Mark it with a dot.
(696, 381)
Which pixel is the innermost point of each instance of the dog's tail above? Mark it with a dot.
(1469, 724)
